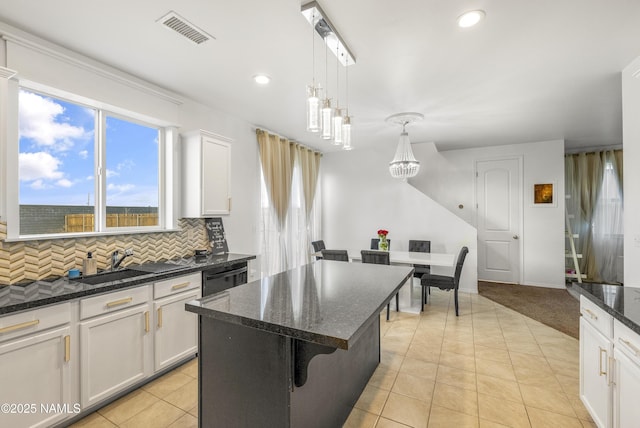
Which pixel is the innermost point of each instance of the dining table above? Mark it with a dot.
(409, 294)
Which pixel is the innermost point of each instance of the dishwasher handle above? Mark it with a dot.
(226, 274)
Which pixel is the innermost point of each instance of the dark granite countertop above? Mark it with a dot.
(34, 294)
(325, 302)
(623, 303)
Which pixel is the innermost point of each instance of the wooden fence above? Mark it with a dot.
(86, 222)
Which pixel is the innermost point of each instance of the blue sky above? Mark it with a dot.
(56, 159)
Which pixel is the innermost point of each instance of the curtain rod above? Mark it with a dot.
(262, 128)
(593, 149)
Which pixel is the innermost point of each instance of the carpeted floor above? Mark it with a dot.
(551, 306)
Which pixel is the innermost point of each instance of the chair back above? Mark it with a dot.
(375, 257)
(339, 255)
(459, 263)
(419, 246)
(318, 246)
(376, 241)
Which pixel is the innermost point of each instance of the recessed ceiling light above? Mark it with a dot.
(261, 79)
(471, 18)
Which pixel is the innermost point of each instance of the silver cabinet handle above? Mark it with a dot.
(631, 346)
(591, 314)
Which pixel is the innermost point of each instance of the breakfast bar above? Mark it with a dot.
(295, 349)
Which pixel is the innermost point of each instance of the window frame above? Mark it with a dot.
(167, 173)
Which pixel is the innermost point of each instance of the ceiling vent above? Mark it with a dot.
(180, 25)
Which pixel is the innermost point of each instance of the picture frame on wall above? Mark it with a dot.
(544, 195)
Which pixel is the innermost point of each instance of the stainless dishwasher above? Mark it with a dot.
(221, 278)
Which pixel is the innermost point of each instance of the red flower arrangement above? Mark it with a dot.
(382, 233)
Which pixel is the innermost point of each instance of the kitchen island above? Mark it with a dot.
(295, 349)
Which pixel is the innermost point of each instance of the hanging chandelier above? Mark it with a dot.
(404, 165)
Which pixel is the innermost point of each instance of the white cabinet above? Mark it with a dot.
(627, 377)
(115, 345)
(36, 367)
(595, 377)
(176, 330)
(206, 174)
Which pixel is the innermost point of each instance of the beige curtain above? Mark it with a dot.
(584, 174)
(309, 167)
(276, 157)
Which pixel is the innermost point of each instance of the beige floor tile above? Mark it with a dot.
(399, 345)
(565, 351)
(456, 377)
(490, 341)
(578, 407)
(496, 369)
(420, 368)
(128, 406)
(537, 378)
(570, 385)
(388, 423)
(383, 378)
(458, 361)
(457, 347)
(492, 354)
(360, 419)
(391, 360)
(185, 397)
(414, 387)
(168, 383)
(443, 417)
(424, 351)
(94, 420)
(530, 348)
(406, 410)
(372, 399)
(456, 399)
(546, 399)
(490, 424)
(194, 411)
(186, 421)
(499, 388)
(159, 415)
(190, 368)
(545, 419)
(502, 411)
(527, 361)
(588, 424)
(565, 368)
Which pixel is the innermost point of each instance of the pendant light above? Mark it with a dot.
(404, 165)
(346, 122)
(337, 117)
(327, 111)
(313, 91)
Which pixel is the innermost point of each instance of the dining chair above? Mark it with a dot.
(417, 246)
(339, 255)
(317, 247)
(380, 258)
(445, 282)
(376, 241)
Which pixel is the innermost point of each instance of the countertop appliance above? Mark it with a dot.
(221, 278)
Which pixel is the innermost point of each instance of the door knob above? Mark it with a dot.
(515, 236)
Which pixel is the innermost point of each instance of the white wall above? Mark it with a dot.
(359, 197)
(631, 172)
(449, 178)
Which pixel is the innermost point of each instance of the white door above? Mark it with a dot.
(498, 196)
(627, 385)
(595, 382)
(176, 329)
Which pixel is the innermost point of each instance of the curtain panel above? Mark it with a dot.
(290, 181)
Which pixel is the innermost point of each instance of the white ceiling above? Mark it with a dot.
(531, 71)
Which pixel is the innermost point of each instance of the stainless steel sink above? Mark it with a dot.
(109, 276)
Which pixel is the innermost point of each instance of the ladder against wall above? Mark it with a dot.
(572, 266)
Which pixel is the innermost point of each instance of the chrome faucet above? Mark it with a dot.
(115, 262)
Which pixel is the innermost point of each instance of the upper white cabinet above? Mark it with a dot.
(206, 174)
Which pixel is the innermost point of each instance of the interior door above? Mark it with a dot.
(498, 195)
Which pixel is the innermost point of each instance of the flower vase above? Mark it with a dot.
(383, 244)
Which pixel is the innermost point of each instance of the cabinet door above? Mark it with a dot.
(627, 388)
(114, 353)
(34, 371)
(595, 377)
(176, 334)
(216, 162)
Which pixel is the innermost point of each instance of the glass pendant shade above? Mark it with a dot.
(404, 165)
(346, 133)
(313, 109)
(337, 127)
(327, 120)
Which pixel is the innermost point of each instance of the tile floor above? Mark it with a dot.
(489, 367)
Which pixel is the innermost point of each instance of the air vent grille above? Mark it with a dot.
(180, 25)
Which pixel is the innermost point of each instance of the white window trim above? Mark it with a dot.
(168, 174)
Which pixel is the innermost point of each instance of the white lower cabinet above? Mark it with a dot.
(627, 377)
(115, 349)
(176, 330)
(595, 377)
(36, 387)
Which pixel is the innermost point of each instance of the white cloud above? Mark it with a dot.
(83, 154)
(126, 165)
(112, 173)
(38, 121)
(89, 177)
(38, 185)
(64, 183)
(38, 166)
(120, 188)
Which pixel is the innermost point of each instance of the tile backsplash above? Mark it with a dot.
(34, 260)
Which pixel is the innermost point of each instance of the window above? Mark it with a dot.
(84, 169)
